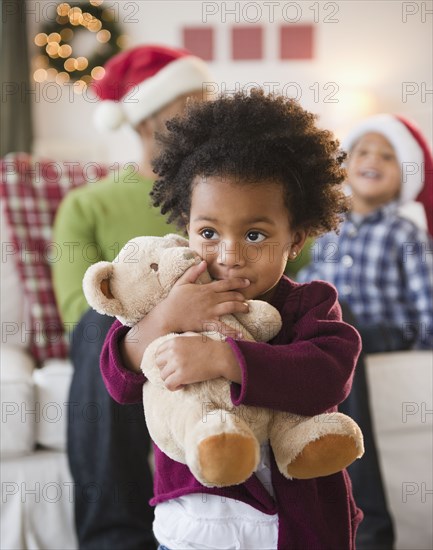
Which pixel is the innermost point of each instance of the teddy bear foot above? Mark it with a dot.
(325, 456)
(227, 459)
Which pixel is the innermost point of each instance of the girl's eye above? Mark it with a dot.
(209, 234)
(255, 237)
(388, 156)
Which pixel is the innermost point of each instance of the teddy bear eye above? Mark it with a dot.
(154, 267)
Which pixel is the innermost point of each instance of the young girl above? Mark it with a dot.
(248, 177)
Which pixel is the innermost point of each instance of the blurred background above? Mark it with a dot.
(342, 60)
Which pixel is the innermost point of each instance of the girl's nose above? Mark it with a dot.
(230, 254)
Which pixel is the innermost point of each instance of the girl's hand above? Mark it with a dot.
(188, 307)
(192, 358)
(194, 307)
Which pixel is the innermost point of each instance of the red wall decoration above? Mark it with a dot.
(247, 43)
(296, 42)
(199, 41)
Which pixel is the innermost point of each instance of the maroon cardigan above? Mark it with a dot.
(306, 369)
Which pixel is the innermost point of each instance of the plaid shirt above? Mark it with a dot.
(382, 266)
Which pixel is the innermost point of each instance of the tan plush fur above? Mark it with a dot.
(198, 425)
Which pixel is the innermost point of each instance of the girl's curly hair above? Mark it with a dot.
(253, 139)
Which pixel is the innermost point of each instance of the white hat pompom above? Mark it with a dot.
(109, 115)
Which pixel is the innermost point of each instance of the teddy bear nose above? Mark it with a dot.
(154, 267)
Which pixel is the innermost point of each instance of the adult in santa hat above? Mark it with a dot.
(145, 86)
(108, 453)
(381, 266)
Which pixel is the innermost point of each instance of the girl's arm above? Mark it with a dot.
(307, 369)
(311, 374)
(124, 386)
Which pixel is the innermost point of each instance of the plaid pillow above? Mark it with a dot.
(31, 190)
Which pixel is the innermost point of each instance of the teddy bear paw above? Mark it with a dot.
(227, 459)
(324, 456)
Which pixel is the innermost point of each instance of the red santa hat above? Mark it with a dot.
(139, 82)
(413, 153)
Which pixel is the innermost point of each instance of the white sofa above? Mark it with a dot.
(401, 389)
(37, 489)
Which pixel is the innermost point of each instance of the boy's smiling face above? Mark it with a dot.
(373, 173)
(242, 230)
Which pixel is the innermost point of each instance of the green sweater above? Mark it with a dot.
(93, 223)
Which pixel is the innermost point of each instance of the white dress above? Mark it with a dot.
(210, 522)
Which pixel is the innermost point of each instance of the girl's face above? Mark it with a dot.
(242, 230)
(373, 171)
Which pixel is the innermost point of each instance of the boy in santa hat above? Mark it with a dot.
(382, 266)
(142, 87)
(381, 261)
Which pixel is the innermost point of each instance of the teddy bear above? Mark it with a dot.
(198, 425)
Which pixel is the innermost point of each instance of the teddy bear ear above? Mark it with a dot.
(177, 239)
(97, 289)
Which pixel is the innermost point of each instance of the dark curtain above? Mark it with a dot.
(16, 132)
